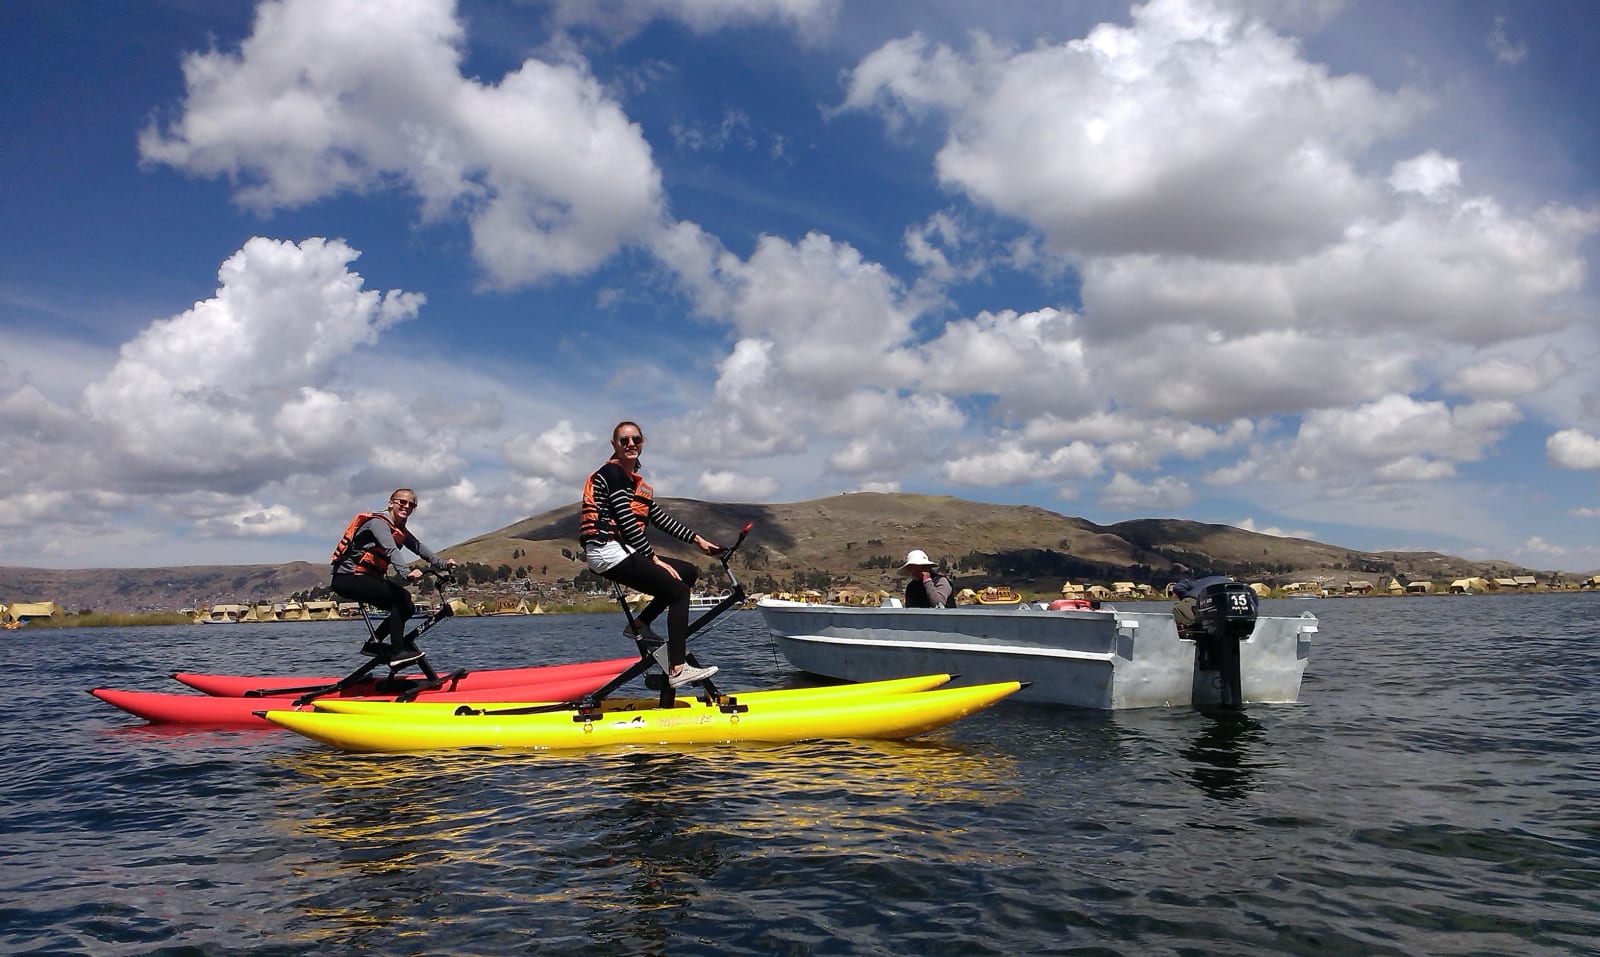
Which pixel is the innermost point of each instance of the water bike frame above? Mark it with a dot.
(590, 705)
(393, 656)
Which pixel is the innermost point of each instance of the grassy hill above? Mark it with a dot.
(859, 537)
(863, 537)
(158, 589)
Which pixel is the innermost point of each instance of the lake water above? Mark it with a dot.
(1436, 791)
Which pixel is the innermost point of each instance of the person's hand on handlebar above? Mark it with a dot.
(706, 545)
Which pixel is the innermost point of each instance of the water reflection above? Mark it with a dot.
(1221, 759)
(623, 840)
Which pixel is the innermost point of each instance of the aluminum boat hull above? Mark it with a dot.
(1107, 659)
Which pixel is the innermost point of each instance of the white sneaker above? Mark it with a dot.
(689, 675)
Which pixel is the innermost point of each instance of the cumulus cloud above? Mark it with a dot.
(1504, 377)
(563, 453)
(1247, 270)
(1205, 176)
(1536, 545)
(1430, 175)
(246, 371)
(1395, 439)
(810, 19)
(334, 96)
(1195, 130)
(258, 521)
(1245, 265)
(222, 417)
(1249, 525)
(1030, 362)
(1012, 462)
(1163, 494)
(729, 486)
(824, 344)
(1573, 449)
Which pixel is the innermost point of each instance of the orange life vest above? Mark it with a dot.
(596, 524)
(374, 559)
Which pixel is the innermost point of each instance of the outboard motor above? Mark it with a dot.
(1225, 614)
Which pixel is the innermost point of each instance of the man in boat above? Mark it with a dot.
(369, 549)
(617, 506)
(926, 586)
(1186, 595)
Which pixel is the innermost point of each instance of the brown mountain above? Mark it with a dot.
(864, 536)
(158, 589)
(860, 536)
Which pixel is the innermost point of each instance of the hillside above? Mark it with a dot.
(158, 589)
(861, 537)
(864, 536)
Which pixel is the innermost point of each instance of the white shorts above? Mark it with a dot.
(601, 557)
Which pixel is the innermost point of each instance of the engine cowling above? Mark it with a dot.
(1226, 610)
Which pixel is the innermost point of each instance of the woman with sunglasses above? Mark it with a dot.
(370, 546)
(617, 506)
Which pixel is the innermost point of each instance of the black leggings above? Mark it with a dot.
(379, 593)
(644, 575)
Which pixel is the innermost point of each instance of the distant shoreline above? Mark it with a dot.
(138, 619)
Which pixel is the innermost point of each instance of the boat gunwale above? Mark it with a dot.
(1010, 650)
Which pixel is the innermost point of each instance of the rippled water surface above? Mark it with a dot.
(1436, 791)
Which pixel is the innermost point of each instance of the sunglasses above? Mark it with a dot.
(630, 440)
(403, 502)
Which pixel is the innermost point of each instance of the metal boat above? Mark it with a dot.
(704, 601)
(1104, 659)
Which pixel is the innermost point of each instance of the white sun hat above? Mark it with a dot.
(917, 558)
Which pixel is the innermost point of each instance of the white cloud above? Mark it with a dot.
(1010, 463)
(232, 391)
(1239, 253)
(1504, 377)
(334, 96)
(229, 418)
(1249, 525)
(1455, 269)
(1193, 131)
(255, 522)
(1394, 439)
(1505, 50)
(1430, 175)
(729, 486)
(1536, 545)
(1573, 449)
(885, 487)
(1164, 494)
(1030, 362)
(563, 452)
(810, 19)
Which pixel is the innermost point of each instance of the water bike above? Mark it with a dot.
(590, 704)
(239, 699)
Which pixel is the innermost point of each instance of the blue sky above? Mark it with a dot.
(1306, 267)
